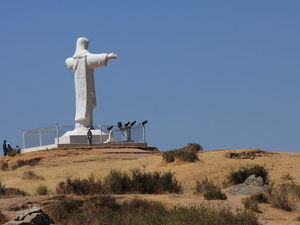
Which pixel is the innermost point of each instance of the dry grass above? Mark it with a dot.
(56, 166)
(30, 175)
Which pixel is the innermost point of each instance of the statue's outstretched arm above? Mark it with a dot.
(112, 56)
(96, 60)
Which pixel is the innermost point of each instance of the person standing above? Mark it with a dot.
(90, 137)
(4, 148)
(18, 149)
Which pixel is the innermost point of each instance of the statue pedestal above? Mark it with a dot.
(79, 137)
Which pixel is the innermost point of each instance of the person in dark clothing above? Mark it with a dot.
(90, 137)
(4, 148)
(9, 147)
(18, 149)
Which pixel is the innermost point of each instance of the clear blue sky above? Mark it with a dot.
(224, 74)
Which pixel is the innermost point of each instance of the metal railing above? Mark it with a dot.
(50, 135)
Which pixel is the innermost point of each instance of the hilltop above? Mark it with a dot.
(54, 166)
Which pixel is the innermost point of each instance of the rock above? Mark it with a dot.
(24, 213)
(244, 189)
(33, 216)
(256, 181)
(251, 186)
(17, 223)
(38, 219)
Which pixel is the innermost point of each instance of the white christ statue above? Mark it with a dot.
(83, 63)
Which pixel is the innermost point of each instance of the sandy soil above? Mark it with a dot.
(56, 166)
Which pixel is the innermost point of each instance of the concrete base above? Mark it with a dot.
(113, 146)
(79, 137)
(39, 148)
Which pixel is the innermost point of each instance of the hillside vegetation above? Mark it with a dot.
(30, 171)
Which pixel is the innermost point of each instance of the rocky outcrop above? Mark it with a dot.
(252, 185)
(250, 154)
(32, 216)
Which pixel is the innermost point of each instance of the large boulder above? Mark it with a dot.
(256, 181)
(251, 186)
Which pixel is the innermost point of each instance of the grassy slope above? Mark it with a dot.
(55, 166)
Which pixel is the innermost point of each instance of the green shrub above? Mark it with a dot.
(80, 186)
(43, 190)
(118, 182)
(105, 210)
(205, 185)
(169, 156)
(239, 176)
(185, 154)
(212, 195)
(141, 182)
(31, 175)
(194, 147)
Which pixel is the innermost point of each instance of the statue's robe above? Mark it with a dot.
(83, 65)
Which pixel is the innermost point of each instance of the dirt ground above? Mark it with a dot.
(56, 166)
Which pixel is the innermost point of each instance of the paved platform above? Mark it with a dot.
(111, 146)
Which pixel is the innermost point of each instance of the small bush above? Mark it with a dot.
(80, 186)
(251, 204)
(43, 190)
(118, 182)
(205, 185)
(259, 198)
(292, 189)
(154, 183)
(280, 199)
(212, 195)
(287, 176)
(185, 154)
(4, 166)
(10, 192)
(141, 182)
(30, 162)
(239, 176)
(169, 156)
(105, 210)
(194, 147)
(30, 175)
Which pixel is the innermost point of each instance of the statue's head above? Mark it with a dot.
(82, 43)
(81, 46)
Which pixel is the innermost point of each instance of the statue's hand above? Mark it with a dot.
(112, 56)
